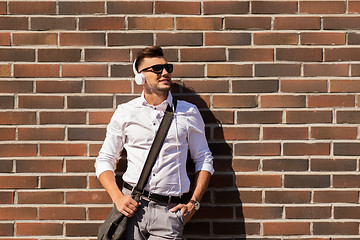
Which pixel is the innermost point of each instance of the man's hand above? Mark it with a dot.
(126, 205)
(187, 209)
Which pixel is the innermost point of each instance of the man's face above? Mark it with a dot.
(160, 82)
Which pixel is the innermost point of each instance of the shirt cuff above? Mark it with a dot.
(206, 167)
(105, 166)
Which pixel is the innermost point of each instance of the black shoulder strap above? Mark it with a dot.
(154, 151)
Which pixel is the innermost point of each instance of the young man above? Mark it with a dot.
(163, 213)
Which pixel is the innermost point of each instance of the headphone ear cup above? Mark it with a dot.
(140, 79)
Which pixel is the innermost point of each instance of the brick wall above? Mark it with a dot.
(277, 83)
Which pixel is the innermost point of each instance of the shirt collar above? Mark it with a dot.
(162, 106)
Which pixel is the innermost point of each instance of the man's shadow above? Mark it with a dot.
(221, 212)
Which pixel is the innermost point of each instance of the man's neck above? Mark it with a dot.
(155, 99)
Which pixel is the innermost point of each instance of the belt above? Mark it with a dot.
(160, 198)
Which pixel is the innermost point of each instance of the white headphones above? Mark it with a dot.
(139, 77)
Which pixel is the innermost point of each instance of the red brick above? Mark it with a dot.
(82, 39)
(243, 165)
(7, 133)
(307, 181)
(315, 70)
(199, 23)
(3, 8)
(257, 149)
(204, 86)
(311, 116)
(203, 54)
(325, 7)
(348, 117)
(41, 101)
(244, 23)
(322, 38)
(84, 70)
(346, 149)
(98, 213)
(16, 213)
(17, 55)
(14, 23)
(131, 7)
(299, 54)
(40, 197)
(179, 39)
(62, 213)
(306, 149)
(341, 54)
(106, 55)
(39, 166)
(285, 165)
(100, 117)
(6, 102)
(285, 133)
(354, 6)
(34, 38)
(90, 102)
(286, 228)
(331, 101)
(288, 197)
(346, 181)
(6, 166)
(88, 134)
(62, 117)
(303, 86)
(260, 54)
(229, 70)
(16, 118)
(123, 39)
(222, 212)
(81, 8)
(213, 38)
(255, 86)
(18, 182)
(277, 69)
(80, 166)
(297, 23)
(6, 198)
(228, 101)
(89, 197)
(346, 212)
(5, 39)
(308, 212)
(108, 86)
(261, 212)
(239, 227)
(237, 133)
(324, 165)
(36, 70)
(39, 228)
(343, 22)
(264, 181)
(58, 86)
(102, 23)
(62, 182)
(5, 70)
(82, 229)
(338, 228)
(18, 150)
(151, 23)
(62, 149)
(226, 7)
(355, 69)
(32, 7)
(41, 133)
(171, 7)
(123, 71)
(59, 55)
(6, 229)
(256, 117)
(333, 132)
(188, 70)
(53, 23)
(282, 101)
(273, 7)
(334, 196)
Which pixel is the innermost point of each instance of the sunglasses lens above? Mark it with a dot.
(158, 69)
(169, 68)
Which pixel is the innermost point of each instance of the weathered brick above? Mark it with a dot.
(102, 23)
(82, 39)
(34, 38)
(33, 101)
(32, 7)
(325, 7)
(151, 23)
(38, 229)
(274, 7)
(198, 23)
(297, 23)
(229, 70)
(171, 7)
(59, 55)
(226, 7)
(244, 23)
(52, 23)
(81, 7)
(300, 149)
(123, 39)
(303, 86)
(36, 70)
(41, 134)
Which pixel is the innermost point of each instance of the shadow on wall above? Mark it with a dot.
(221, 214)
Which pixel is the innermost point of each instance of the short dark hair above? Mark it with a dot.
(149, 52)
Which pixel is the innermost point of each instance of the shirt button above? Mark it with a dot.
(153, 174)
(154, 124)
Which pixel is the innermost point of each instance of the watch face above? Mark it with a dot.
(196, 204)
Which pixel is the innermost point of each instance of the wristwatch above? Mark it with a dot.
(196, 204)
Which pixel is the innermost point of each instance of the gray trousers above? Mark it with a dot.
(153, 221)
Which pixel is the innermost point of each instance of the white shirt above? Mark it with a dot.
(133, 127)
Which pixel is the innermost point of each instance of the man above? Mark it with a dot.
(133, 127)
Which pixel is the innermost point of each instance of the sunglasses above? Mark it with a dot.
(158, 68)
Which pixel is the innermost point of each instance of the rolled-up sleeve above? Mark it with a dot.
(112, 146)
(198, 146)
